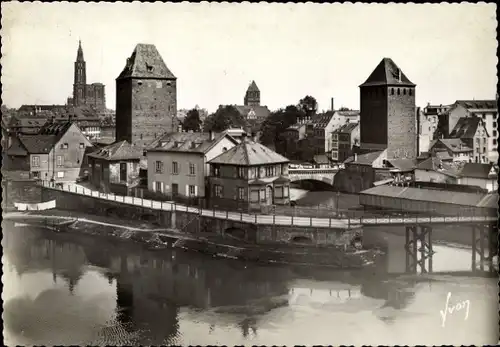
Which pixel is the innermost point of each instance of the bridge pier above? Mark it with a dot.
(483, 247)
(415, 233)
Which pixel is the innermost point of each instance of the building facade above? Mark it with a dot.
(146, 98)
(177, 162)
(84, 94)
(115, 168)
(249, 176)
(55, 154)
(344, 140)
(454, 150)
(387, 114)
(472, 131)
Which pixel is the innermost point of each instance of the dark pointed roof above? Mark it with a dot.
(387, 73)
(146, 62)
(466, 128)
(79, 55)
(253, 87)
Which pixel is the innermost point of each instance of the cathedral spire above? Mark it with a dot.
(79, 56)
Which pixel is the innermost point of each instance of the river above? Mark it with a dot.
(62, 289)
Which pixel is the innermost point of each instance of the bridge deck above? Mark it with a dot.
(262, 219)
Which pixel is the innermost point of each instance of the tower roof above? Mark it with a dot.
(387, 73)
(79, 54)
(253, 87)
(146, 62)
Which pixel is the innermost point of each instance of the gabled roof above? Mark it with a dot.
(320, 121)
(321, 159)
(195, 142)
(281, 179)
(58, 128)
(253, 87)
(435, 164)
(146, 62)
(477, 104)
(364, 159)
(121, 150)
(261, 112)
(466, 127)
(403, 164)
(248, 153)
(476, 170)
(456, 145)
(387, 73)
(489, 201)
(38, 144)
(347, 128)
(27, 122)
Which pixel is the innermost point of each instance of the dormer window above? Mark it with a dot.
(149, 67)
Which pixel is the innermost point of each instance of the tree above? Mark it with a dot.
(224, 118)
(308, 105)
(192, 121)
(277, 122)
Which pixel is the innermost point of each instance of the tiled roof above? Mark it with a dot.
(489, 201)
(257, 182)
(403, 164)
(364, 159)
(281, 179)
(118, 151)
(455, 145)
(387, 73)
(38, 144)
(347, 128)
(466, 127)
(261, 112)
(194, 142)
(477, 104)
(58, 128)
(476, 170)
(435, 164)
(27, 122)
(321, 159)
(249, 153)
(422, 194)
(321, 120)
(146, 62)
(253, 87)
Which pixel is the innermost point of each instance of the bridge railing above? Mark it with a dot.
(312, 171)
(330, 219)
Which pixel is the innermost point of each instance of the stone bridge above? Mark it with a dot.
(326, 175)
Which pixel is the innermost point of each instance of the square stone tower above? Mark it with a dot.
(146, 97)
(388, 112)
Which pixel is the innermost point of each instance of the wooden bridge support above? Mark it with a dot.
(415, 233)
(483, 247)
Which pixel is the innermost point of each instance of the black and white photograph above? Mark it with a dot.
(249, 173)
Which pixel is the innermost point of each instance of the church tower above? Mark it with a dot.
(252, 96)
(387, 119)
(80, 80)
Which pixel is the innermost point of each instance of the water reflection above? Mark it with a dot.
(67, 289)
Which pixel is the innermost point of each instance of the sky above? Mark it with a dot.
(215, 50)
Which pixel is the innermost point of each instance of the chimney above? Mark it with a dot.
(332, 105)
(399, 75)
(212, 135)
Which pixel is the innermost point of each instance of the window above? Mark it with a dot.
(175, 168)
(494, 133)
(494, 124)
(409, 92)
(175, 189)
(242, 172)
(158, 187)
(399, 91)
(82, 145)
(35, 174)
(404, 91)
(59, 160)
(494, 141)
(262, 194)
(158, 166)
(192, 190)
(392, 91)
(35, 161)
(269, 171)
(123, 172)
(218, 191)
(158, 84)
(484, 149)
(192, 170)
(216, 170)
(60, 174)
(241, 193)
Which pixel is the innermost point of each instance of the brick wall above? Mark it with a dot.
(145, 108)
(401, 123)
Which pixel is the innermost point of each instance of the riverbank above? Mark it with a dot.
(208, 243)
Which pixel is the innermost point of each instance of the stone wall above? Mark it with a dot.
(401, 123)
(189, 222)
(21, 192)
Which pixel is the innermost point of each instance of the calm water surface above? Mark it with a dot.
(67, 289)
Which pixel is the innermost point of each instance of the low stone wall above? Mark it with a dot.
(193, 223)
(20, 192)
